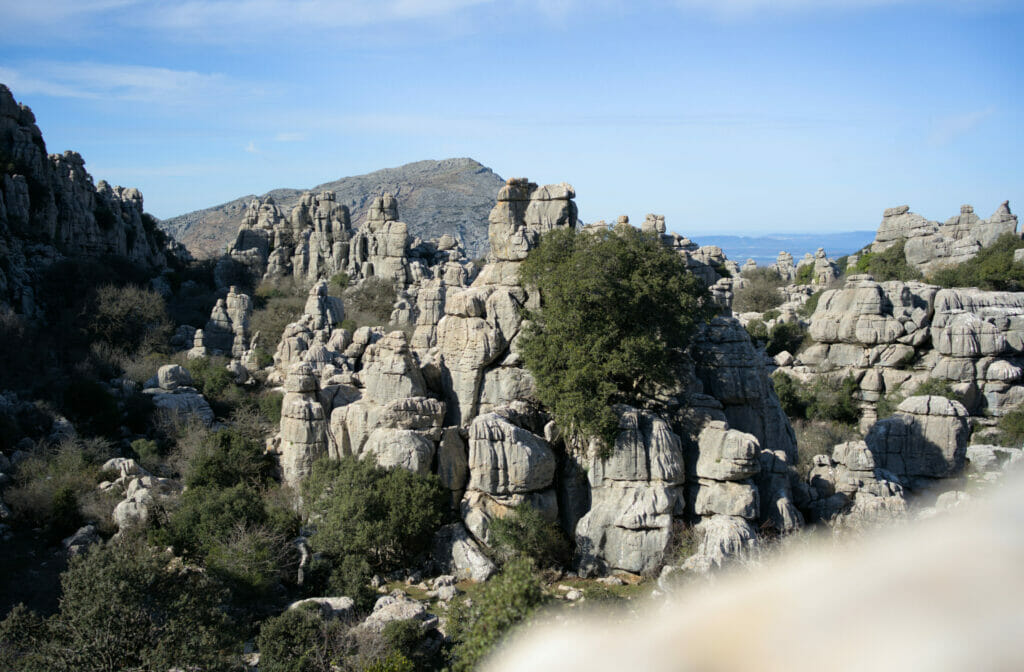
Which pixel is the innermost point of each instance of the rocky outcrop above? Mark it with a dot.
(172, 394)
(851, 488)
(929, 245)
(636, 493)
(303, 437)
(50, 209)
(925, 439)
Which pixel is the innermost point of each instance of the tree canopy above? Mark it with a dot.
(617, 310)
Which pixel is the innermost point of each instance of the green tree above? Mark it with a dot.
(127, 606)
(617, 311)
(370, 519)
(526, 533)
(760, 291)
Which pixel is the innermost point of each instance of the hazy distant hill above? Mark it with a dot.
(764, 249)
(434, 197)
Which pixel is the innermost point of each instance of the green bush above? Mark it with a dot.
(1011, 426)
(226, 458)
(504, 601)
(291, 642)
(825, 399)
(889, 264)
(788, 390)
(126, 606)
(819, 437)
(339, 281)
(210, 375)
(786, 336)
(617, 311)
(369, 303)
(526, 533)
(276, 306)
(993, 268)
(811, 304)
(361, 511)
(760, 293)
(270, 406)
(805, 275)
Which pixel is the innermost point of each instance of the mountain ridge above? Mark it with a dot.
(433, 194)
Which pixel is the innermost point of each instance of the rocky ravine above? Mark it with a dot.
(448, 196)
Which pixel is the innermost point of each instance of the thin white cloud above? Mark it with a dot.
(103, 81)
(947, 129)
(737, 9)
(251, 147)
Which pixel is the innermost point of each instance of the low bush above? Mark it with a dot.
(369, 303)
(526, 533)
(811, 304)
(788, 336)
(504, 601)
(889, 264)
(825, 399)
(993, 268)
(362, 513)
(819, 437)
(129, 318)
(760, 291)
(1011, 427)
(805, 275)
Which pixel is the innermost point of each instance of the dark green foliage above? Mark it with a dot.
(805, 275)
(22, 637)
(526, 533)
(617, 311)
(126, 606)
(91, 406)
(825, 399)
(227, 458)
(385, 517)
(842, 263)
(209, 375)
(993, 268)
(1011, 426)
(819, 437)
(505, 600)
(889, 264)
(291, 642)
(811, 304)
(339, 281)
(760, 291)
(786, 336)
(351, 577)
(270, 405)
(205, 513)
(276, 306)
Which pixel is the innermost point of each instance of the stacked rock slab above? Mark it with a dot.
(926, 439)
(303, 438)
(851, 488)
(929, 245)
(636, 493)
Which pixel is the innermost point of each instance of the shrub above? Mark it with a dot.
(339, 281)
(210, 375)
(226, 458)
(359, 510)
(993, 268)
(129, 318)
(818, 437)
(788, 390)
(300, 641)
(786, 336)
(1011, 426)
(369, 303)
(833, 400)
(505, 600)
(252, 560)
(277, 306)
(811, 304)
(126, 606)
(805, 274)
(760, 292)
(525, 533)
(889, 264)
(617, 311)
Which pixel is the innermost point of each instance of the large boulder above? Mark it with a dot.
(925, 438)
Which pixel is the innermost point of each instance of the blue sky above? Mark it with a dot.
(728, 116)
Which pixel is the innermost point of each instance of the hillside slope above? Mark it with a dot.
(436, 197)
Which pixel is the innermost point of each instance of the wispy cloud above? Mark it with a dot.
(738, 9)
(252, 148)
(947, 129)
(119, 82)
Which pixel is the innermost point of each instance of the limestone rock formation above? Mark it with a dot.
(51, 209)
(925, 439)
(929, 244)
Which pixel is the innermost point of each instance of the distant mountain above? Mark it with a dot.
(764, 249)
(434, 197)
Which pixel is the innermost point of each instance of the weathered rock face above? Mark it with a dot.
(635, 495)
(930, 244)
(50, 209)
(303, 437)
(851, 488)
(456, 400)
(925, 439)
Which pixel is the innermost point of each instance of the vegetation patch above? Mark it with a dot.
(993, 268)
(617, 311)
(889, 264)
